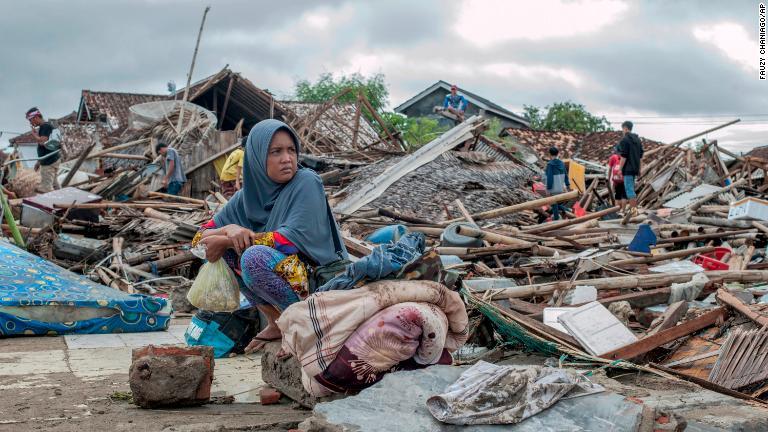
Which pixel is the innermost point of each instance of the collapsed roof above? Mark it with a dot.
(592, 146)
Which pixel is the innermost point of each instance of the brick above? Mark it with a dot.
(269, 396)
(162, 376)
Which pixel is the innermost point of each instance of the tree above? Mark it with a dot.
(565, 116)
(415, 131)
(327, 86)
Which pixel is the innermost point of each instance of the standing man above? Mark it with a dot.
(455, 103)
(557, 179)
(48, 140)
(174, 170)
(232, 172)
(631, 151)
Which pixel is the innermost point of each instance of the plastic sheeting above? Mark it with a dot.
(492, 394)
(40, 298)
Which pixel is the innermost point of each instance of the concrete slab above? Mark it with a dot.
(239, 377)
(178, 332)
(399, 399)
(96, 363)
(33, 362)
(94, 341)
(137, 340)
(31, 343)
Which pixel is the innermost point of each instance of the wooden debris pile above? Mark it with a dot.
(678, 288)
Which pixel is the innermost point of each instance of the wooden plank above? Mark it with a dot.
(646, 345)
(731, 300)
(77, 164)
(674, 313)
(707, 385)
(212, 158)
(526, 307)
(357, 247)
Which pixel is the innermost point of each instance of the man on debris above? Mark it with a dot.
(232, 172)
(455, 103)
(48, 140)
(557, 179)
(174, 170)
(631, 151)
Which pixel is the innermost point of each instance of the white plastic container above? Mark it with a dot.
(749, 209)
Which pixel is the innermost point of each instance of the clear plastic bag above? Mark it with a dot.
(215, 288)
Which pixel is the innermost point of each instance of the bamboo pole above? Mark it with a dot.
(117, 147)
(549, 226)
(721, 222)
(700, 202)
(104, 205)
(192, 69)
(663, 256)
(167, 262)
(502, 239)
(177, 198)
(628, 282)
(528, 205)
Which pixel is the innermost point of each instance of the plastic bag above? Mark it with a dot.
(215, 288)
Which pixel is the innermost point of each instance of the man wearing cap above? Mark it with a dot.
(455, 103)
(48, 140)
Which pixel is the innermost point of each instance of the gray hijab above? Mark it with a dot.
(298, 209)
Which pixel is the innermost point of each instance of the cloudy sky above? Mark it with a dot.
(675, 68)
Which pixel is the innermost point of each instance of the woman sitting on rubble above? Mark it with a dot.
(276, 228)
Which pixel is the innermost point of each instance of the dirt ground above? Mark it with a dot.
(38, 393)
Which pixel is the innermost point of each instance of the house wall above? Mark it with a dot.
(424, 106)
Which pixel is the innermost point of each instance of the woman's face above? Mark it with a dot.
(281, 158)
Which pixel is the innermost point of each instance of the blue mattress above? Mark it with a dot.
(35, 297)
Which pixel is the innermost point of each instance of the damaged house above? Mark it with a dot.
(422, 105)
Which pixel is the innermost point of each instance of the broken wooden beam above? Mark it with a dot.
(648, 344)
(733, 302)
(674, 313)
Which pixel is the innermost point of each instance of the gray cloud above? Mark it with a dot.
(648, 61)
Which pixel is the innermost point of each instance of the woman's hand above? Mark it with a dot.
(215, 247)
(241, 238)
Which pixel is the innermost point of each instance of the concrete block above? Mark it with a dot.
(285, 376)
(171, 376)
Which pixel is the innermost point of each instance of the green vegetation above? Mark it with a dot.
(327, 86)
(565, 116)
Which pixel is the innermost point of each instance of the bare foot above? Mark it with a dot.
(283, 355)
(269, 334)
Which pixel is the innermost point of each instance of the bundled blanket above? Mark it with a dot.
(358, 335)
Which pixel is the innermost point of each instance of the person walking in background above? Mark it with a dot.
(616, 180)
(557, 179)
(174, 170)
(48, 140)
(630, 149)
(232, 172)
